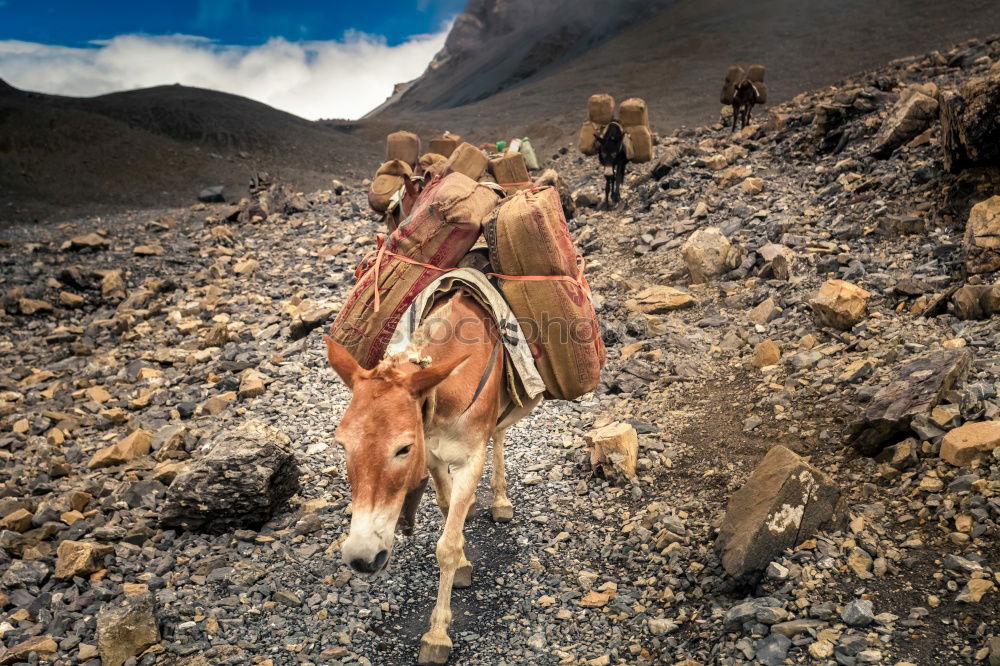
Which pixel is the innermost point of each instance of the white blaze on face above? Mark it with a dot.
(369, 542)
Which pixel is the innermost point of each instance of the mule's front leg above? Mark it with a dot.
(435, 646)
(502, 509)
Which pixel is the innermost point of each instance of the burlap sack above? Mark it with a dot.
(756, 73)
(388, 180)
(588, 141)
(467, 160)
(403, 146)
(445, 144)
(761, 92)
(733, 76)
(445, 222)
(642, 143)
(633, 112)
(511, 172)
(431, 164)
(601, 109)
(528, 237)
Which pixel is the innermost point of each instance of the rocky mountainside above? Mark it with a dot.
(800, 316)
(521, 67)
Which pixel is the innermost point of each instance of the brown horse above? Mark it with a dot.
(431, 409)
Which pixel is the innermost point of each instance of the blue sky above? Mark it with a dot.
(315, 59)
(241, 22)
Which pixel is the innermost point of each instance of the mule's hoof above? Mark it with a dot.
(463, 576)
(503, 513)
(434, 648)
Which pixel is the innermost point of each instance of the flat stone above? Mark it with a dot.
(970, 441)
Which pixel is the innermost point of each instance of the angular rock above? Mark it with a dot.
(305, 322)
(970, 127)
(80, 558)
(551, 178)
(212, 194)
(858, 613)
(912, 115)
(17, 521)
(765, 354)
(982, 237)
(784, 502)
(89, 241)
(659, 299)
(247, 474)
(840, 304)
(125, 628)
(251, 385)
(976, 301)
(43, 646)
(113, 285)
(706, 254)
(613, 449)
(916, 390)
(970, 441)
(129, 448)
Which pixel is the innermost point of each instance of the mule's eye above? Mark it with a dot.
(403, 451)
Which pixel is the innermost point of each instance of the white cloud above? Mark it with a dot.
(317, 79)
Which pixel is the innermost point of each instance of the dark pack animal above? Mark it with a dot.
(745, 97)
(612, 155)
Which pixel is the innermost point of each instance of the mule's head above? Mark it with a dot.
(383, 438)
(610, 143)
(745, 91)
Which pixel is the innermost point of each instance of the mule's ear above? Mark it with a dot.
(341, 361)
(427, 378)
(412, 186)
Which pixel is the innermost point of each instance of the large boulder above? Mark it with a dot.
(840, 304)
(912, 115)
(982, 237)
(126, 628)
(707, 254)
(245, 476)
(976, 301)
(916, 390)
(784, 502)
(970, 124)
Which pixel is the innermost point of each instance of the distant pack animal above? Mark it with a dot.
(743, 90)
(745, 96)
(613, 156)
(432, 408)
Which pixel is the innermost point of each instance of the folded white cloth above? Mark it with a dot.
(520, 362)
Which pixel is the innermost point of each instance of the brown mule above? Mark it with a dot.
(431, 409)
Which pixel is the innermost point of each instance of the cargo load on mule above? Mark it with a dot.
(388, 182)
(442, 227)
(430, 164)
(734, 75)
(445, 144)
(468, 160)
(743, 90)
(541, 278)
(510, 172)
(634, 117)
(403, 146)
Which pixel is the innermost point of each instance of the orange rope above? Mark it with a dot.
(580, 281)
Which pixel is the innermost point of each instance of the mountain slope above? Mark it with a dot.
(675, 58)
(157, 146)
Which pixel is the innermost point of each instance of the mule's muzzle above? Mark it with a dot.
(361, 565)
